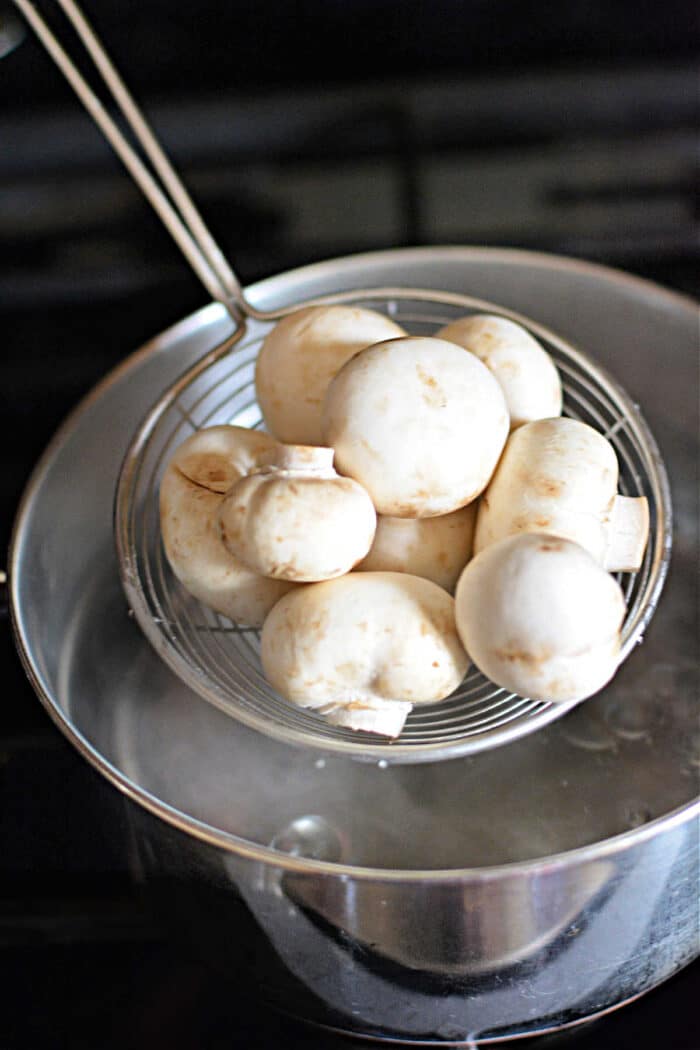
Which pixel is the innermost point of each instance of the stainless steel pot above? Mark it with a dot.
(508, 893)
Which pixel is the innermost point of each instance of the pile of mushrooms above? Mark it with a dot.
(399, 471)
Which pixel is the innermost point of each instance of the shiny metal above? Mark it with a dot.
(169, 198)
(216, 657)
(220, 660)
(510, 892)
(475, 959)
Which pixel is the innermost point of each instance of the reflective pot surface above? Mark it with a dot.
(511, 892)
(477, 958)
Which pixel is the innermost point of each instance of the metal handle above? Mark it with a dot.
(177, 211)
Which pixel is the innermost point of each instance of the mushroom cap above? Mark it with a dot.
(540, 617)
(193, 545)
(298, 524)
(557, 476)
(299, 358)
(361, 640)
(419, 423)
(435, 548)
(217, 457)
(524, 369)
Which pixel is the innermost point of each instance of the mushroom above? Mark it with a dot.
(203, 467)
(560, 476)
(364, 648)
(540, 617)
(296, 519)
(216, 457)
(435, 548)
(299, 358)
(419, 423)
(525, 371)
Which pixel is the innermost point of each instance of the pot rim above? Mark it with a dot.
(225, 840)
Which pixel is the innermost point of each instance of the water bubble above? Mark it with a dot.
(693, 750)
(585, 729)
(309, 836)
(637, 816)
(450, 1033)
(629, 719)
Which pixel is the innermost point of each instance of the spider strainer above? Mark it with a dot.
(219, 659)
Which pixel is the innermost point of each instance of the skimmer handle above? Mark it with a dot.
(170, 199)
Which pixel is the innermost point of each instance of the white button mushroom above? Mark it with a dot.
(524, 369)
(363, 648)
(435, 548)
(419, 423)
(297, 519)
(299, 358)
(216, 457)
(540, 617)
(560, 476)
(202, 468)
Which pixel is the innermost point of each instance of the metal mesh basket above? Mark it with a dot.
(220, 660)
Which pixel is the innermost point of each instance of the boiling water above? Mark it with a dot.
(614, 763)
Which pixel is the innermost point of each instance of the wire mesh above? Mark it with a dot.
(220, 659)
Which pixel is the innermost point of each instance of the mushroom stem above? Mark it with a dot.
(384, 717)
(311, 459)
(627, 534)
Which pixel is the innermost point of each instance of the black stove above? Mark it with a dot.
(471, 132)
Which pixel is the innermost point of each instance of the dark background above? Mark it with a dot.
(305, 130)
(171, 49)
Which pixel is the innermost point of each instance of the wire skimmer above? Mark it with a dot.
(219, 659)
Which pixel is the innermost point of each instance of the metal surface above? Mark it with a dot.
(220, 660)
(210, 653)
(549, 880)
(471, 960)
